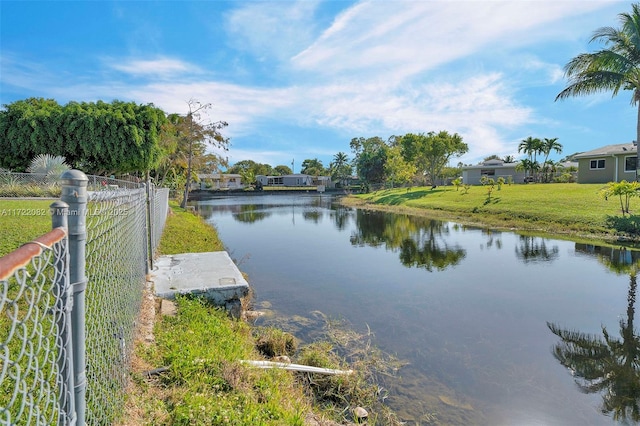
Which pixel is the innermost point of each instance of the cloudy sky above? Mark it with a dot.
(298, 80)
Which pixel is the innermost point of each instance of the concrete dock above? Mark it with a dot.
(212, 275)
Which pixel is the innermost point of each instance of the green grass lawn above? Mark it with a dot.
(21, 221)
(571, 208)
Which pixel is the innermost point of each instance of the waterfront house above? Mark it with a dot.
(286, 180)
(494, 169)
(611, 163)
(220, 181)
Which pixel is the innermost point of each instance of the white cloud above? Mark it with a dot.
(417, 36)
(159, 67)
(272, 29)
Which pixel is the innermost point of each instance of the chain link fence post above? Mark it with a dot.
(74, 193)
(149, 219)
(64, 306)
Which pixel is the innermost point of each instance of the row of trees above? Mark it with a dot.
(113, 138)
(420, 158)
(100, 137)
(533, 147)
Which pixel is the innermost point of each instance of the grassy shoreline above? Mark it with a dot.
(205, 383)
(576, 212)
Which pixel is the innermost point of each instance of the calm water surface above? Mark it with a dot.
(473, 312)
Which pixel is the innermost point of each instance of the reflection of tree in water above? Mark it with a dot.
(250, 213)
(534, 249)
(341, 215)
(606, 364)
(419, 240)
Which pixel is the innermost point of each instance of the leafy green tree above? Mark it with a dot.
(370, 158)
(245, 166)
(615, 67)
(313, 167)
(624, 191)
(282, 170)
(397, 170)
(199, 133)
(509, 159)
(99, 138)
(430, 153)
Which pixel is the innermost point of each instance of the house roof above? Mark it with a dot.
(617, 149)
(491, 165)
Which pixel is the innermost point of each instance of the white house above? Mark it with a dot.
(220, 182)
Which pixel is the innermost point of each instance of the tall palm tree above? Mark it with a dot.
(531, 146)
(548, 145)
(615, 67)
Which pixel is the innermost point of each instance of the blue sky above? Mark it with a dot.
(298, 80)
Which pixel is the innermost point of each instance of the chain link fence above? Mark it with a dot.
(13, 184)
(69, 303)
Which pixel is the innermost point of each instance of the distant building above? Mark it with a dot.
(493, 169)
(220, 181)
(611, 163)
(286, 180)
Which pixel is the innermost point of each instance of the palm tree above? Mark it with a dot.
(615, 67)
(548, 145)
(531, 146)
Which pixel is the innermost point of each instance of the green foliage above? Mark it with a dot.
(397, 169)
(206, 383)
(611, 68)
(272, 342)
(457, 182)
(49, 165)
(370, 159)
(624, 190)
(431, 152)
(313, 167)
(340, 169)
(282, 170)
(250, 169)
(99, 138)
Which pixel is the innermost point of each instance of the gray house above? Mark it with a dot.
(493, 169)
(611, 163)
(286, 180)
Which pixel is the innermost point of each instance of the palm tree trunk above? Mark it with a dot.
(638, 140)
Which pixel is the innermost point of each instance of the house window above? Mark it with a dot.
(596, 164)
(488, 172)
(630, 164)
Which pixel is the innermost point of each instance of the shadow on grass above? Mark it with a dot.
(491, 200)
(401, 197)
(628, 224)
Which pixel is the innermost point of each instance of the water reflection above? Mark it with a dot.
(534, 249)
(420, 241)
(607, 364)
(250, 213)
(477, 351)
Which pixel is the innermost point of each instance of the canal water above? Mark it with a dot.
(495, 328)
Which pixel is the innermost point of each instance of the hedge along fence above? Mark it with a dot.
(69, 301)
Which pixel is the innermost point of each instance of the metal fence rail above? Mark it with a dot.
(69, 303)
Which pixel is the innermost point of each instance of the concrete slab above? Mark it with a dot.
(212, 275)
